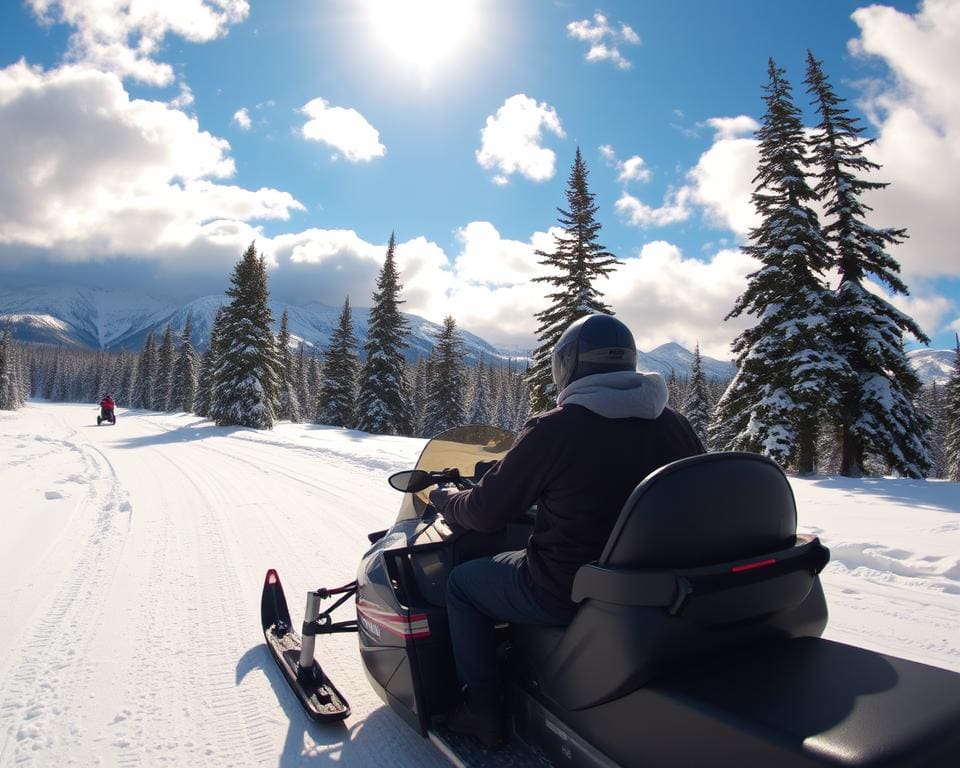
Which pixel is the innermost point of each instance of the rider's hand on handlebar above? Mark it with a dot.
(440, 497)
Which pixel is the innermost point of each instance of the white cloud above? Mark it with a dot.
(722, 180)
(94, 173)
(632, 169)
(124, 37)
(917, 119)
(732, 127)
(604, 40)
(344, 129)
(242, 118)
(675, 208)
(510, 142)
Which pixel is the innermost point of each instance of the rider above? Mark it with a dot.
(578, 463)
(106, 406)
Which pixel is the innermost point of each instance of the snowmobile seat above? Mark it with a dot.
(703, 558)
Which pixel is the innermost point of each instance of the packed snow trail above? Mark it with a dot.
(132, 559)
(129, 597)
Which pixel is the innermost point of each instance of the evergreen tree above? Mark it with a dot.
(163, 384)
(696, 406)
(787, 370)
(932, 405)
(245, 380)
(337, 396)
(877, 405)
(289, 407)
(480, 406)
(383, 406)
(521, 402)
(204, 403)
(418, 395)
(146, 375)
(7, 401)
(184, 373)
(952, 410)
(313, 380)
(302, 386)
(446, 389)
(578, 259)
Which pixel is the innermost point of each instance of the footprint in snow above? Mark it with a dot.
(55, 495)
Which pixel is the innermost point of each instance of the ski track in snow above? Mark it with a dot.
(133, 556)
(136, 637)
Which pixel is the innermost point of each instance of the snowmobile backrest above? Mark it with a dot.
(703, 558)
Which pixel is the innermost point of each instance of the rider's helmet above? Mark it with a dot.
(593, 344)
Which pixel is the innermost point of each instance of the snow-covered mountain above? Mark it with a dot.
(933, 365)
(673, 358)
(105, 319)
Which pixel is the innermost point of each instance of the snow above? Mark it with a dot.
(132, 559)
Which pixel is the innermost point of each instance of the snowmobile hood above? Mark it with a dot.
(619, 395)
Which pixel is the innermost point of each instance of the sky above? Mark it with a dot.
(147, 144)
(108, 530)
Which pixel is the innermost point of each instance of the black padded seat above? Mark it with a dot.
(703, 557)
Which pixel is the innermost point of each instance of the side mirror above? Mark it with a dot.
(411, 480)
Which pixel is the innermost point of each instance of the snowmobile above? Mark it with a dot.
(697, 639)
(108, 415)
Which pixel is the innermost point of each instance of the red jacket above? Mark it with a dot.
(107, 404)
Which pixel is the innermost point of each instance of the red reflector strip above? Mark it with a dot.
(414, 625)
(751, 566)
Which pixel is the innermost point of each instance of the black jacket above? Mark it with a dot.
(579, 468)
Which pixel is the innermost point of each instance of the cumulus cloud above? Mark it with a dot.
(125, 37)
(242, 118)
(632, 169)
(93, 173)
(510, 142)
(675, 208)
(604, 40)
(917, 120)
(344, 129)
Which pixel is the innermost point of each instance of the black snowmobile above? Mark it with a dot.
(697, 640)
(107, 415)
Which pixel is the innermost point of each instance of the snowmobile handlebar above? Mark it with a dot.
(415, 480)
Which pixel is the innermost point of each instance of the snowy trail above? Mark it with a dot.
(132, 559)
(137, 639)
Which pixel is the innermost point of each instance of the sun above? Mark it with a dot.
(423, 34)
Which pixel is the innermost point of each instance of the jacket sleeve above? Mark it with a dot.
(511, 487)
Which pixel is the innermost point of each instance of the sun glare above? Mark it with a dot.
(423, 33)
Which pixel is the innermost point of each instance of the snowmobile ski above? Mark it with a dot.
(319, 697)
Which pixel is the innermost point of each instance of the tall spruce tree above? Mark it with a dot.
(383, 405)
(480, 404)
(952, 411)
(577, 260)
(163, 383)
(337, 395)
(289, 401)
(696, 405)
(245, 386)
(878, 413)
(7, 364)
(204, 401)
(184, 373)
(146, 375)
(787, 369)
(418, 395)
(446, 390)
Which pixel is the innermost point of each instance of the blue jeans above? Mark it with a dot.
(481, 593)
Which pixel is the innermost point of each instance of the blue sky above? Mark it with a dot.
(148, 147)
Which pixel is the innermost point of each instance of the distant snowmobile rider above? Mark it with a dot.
(578, 463)
(106, 406)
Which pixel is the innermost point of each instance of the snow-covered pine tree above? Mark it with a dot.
(418, 395)
(337, 395)
(307, 410)
(6, 371)
(951, 409)
(184, 373)
(446, 390)
(521, 401)
(787, 370)
(383, 405)
(289, 402)
(480, 403)
(163, 383)
(696, 406)
(577, 260)
(932, 405)
(877, 410)
(143, 387)
(207, 382)
(246, 377)
(313, 379)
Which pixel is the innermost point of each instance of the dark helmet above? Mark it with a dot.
(593, 344)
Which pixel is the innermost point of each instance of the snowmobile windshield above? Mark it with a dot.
(461, 447)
